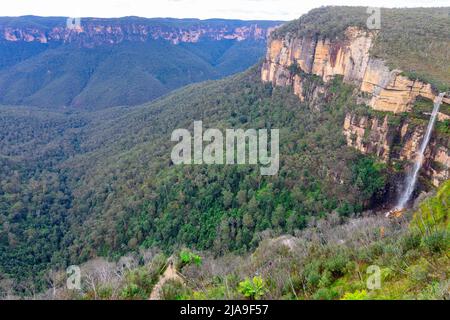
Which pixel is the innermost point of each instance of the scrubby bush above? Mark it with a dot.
(357, 295)
(174, 290)
(418, 273)
(337, 264)
(139, 284)
(437, 242)
(410, 241)
(132, 291)
(253, 289)
(325, 294)
(187, 257)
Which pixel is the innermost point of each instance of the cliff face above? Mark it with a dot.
(385, 90)
(388, 90)
(398, 142)
(93, 32)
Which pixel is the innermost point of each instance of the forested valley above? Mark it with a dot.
(96, 187)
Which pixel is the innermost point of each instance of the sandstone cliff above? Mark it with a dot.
(397, 142)
(290, 58)
(93, 32)
(388, 89)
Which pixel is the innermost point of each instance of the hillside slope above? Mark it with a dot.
(335, 259)
(110, 187)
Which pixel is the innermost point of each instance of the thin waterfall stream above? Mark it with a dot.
(411, 179)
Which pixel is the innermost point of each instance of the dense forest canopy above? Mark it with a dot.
(84, 184)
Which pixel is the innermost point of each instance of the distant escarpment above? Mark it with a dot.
(94, 31)
(98, 63)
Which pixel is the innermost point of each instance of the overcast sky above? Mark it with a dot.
(203, 9)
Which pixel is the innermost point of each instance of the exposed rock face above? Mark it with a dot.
(368, 135)
(441, 156)
(390, 142)
(93, 32)
(388, 90)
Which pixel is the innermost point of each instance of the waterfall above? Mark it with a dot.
(411, 179)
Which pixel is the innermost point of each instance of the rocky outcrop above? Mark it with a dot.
(369, 135)
(93, 32)
(289, 59)
(441, 172)
(398, 142)
(388, 89)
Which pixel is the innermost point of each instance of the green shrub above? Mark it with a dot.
(444, 126)
(336, 264)
(325, 294)
(437, 242)
(105, 292)
(139, 282)
(418, 272)
(187, 257)
(357, 295)
(410, 241)
(132, 291)
(312, 274)
(326, 279)
(174, 290)
(253, 289)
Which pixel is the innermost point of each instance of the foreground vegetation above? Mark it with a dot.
(330, 260)
(333, 258)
